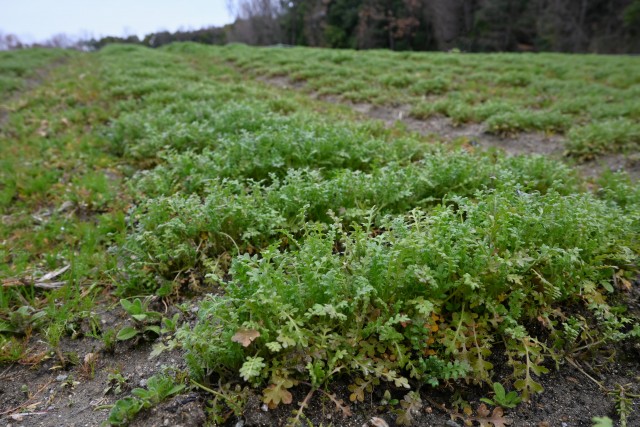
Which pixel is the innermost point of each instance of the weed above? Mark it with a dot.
(502, 398)
(145, 321)
(124, 411)
(602, 422)
(159, 388)
(109, 339)
(116, 384)
(623, 399)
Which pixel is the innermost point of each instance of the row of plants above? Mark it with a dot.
(583, 97)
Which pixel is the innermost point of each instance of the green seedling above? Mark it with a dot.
(169, 325)
(124, 411)
(624, 402)
(109, 339)
(502, 398)
(144, 319)
(116, 384)
(602, 422)
(23, 320)
(227, 400)
(159, 388)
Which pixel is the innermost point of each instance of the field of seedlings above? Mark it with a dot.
(237, 236)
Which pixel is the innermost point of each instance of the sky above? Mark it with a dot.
(38, 20)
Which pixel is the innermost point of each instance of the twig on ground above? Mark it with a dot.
(28, 402)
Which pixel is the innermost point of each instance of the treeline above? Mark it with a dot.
(598, 26)
(603, 26)
(210, 35)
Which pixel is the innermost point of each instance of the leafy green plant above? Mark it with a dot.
(144, 319)
(227, 400)
(124, 411)
(116, 384)
(23, 320)
(159, 387)
(502, 398)
(109, 339)
(618, 135)
(376, 307)
(624, 402)
(602, 422)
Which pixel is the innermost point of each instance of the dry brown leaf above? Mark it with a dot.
(245, 336)
(275, 394)
(483, 411)
(495, 418)
(90, 358)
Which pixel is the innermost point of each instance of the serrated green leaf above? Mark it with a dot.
(252, 367)
(274, 346)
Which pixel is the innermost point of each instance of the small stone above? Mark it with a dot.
(61, 378)
(240, 424)
(166, 422)
(143, 383)
(255, 414)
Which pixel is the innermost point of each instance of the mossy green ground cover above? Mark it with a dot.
(340, 251)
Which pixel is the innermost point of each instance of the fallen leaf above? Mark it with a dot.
(483, 411)
(275, 394)
(90, 358)
(378, 422)
(496, 418)
(245, 336)
(53, 274)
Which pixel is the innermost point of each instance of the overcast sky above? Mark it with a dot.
(37, 20)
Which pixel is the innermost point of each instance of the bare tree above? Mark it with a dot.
(10, 42)
(257, 21)
(60, 40)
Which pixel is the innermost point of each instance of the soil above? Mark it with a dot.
(75, 398)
